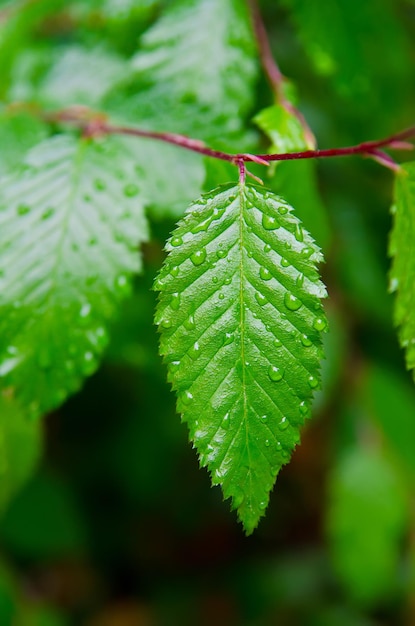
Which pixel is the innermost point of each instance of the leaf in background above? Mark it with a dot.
(343, 39)
(391, 402)
(240, 314)
(366, 518)
(402, 251)
(57, 526)
(19, 132)
(81, 75)
(17, 31)
(170, 177)
(188, 74)
(295, 180)
(20, 449)
(70, 224)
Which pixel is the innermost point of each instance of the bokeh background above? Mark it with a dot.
(118, 526)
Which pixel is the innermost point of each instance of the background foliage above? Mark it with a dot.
(117, 525)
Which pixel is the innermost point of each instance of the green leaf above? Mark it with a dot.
(240, 315)
(367, 515)
(390, 399)
(20, 449)
(402, 250)
(283, 128)
(195, 70)
(81, 76)
(170, 177)
(70, 222)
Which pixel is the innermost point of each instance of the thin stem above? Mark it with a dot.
(94, 124)
(272, 71)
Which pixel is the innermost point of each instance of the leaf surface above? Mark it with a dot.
(402, 251)
(70, 223)
(199, 57)
(240, 319)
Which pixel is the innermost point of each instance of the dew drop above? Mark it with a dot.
(306, 252)
(48, 213)
(198, 257)
(238, 498)
(226, 421)
(176, 241)
(260, 298)
(306, 341)
(85, 313)
(174, 366)
(189, 324)
(122, 284)
(264, 273)
(269, 222)
(159, 284)
(284, 262)
(291, 302)
(267, 248)
(165, 323)
(263, 505)
(23, 209)
(174, 271)
(186, 397)
(130, 190)
(229, 338)
(89, 363)
(215, 280)
(277, 343)
(284, 423)
(175, 301)
(320, 324)
(100, 185)
(299, 233)
(278, 446)
(194, 351)
(222, 254)
(304, 409)
(221, 296)
(299, 281)
(267, 443)
(227, 281)
(282, 209)
(313, 382)
(275, 373)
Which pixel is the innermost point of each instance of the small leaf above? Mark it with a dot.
(70, 222)
(402, 250)
(283, 128)
(240, 320)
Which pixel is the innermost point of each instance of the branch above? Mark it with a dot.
(275, 77)
(95, 124)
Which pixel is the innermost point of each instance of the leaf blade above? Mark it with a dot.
(402, 275)
(69, 227)
(239, 335)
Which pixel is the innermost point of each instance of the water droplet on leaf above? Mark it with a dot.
(291, 302)
(269, 222)
(198, 257)
(264, 273)
(275, 373)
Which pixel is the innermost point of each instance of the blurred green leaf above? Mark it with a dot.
(366, 517)
(70, 226)
(190, 61)
(56, 528)
(19, 132)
